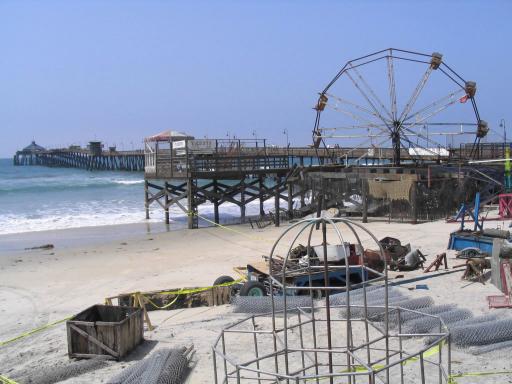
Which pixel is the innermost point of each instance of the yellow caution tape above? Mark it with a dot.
(42, 328)
(157, 306)
(6, 380)
(228, 228)
(185, 292)
(362, 368)
(429, 352)
(202, 289)
(451, 379)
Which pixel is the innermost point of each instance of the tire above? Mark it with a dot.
(253, 288)
(317, 294)
(223, 280)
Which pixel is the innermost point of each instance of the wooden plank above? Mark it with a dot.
(90, 355)
(94, 340)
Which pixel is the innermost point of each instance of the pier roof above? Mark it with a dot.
(33, 147)
(170, 135)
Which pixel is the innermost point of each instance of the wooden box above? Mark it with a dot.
(105, 330)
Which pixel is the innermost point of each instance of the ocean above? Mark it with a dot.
(35, 198)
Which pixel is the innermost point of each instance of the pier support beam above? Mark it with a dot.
(146, 198)
(261, 185)
(190, 204)
(364, 198)
(242, 201)
(166, 201)
(276, 201)
(289, 187)
(216, 202)
(414, 207)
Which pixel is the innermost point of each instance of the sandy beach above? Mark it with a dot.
(41, 286)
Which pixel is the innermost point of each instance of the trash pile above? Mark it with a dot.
(399, 257)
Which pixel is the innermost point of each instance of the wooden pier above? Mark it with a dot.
(183, 172)
(92, 158)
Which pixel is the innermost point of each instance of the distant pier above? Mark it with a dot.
(91, 158)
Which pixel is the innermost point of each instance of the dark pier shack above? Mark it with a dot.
(94, 157)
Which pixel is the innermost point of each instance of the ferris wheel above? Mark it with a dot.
(398, 99)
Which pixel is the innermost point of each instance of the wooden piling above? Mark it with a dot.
(146, 198)
(364, 193)
(216, 202)
(242, 201)
(276, 201)
(166, 201)
(190, 203)
(289, 188)
(261, 196)
(414, 207)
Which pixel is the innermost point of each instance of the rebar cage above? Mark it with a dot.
(328, 341)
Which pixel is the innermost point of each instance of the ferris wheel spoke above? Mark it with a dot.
(351, 103)
(440, 134)
(351, 114)
(392, 88)
(450, 98)
(414, 145)
(354, 127)
(362, 144)
(416, 94)
(353, 136)
(414, 155)
(423, 137)
(432, 114)
(367, 154)
(365, 95)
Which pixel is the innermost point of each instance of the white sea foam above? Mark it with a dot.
(128, 182)
(94, 214)
(38, 199)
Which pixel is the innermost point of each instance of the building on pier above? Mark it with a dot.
(29, 154)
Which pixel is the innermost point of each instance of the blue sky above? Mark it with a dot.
(73, 71)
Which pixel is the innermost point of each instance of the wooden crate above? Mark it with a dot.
(105, 330)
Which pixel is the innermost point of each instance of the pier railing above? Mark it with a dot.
(196, 158)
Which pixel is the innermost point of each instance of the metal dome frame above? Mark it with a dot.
(291, 330)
